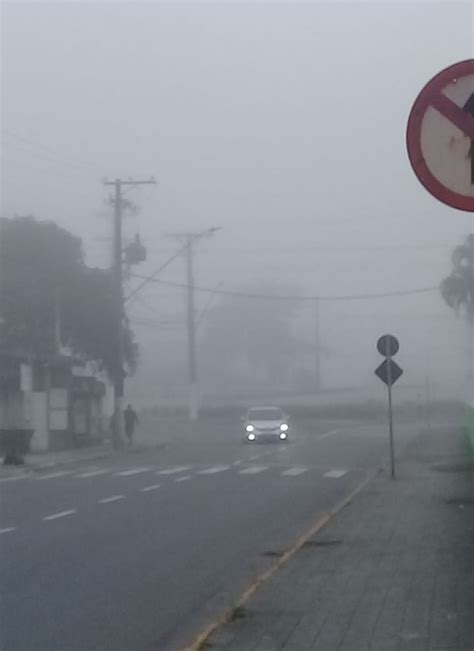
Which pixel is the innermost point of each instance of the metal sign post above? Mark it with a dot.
(389, 372)
(390, 410)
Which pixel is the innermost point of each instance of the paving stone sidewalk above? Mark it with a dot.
(394, 570)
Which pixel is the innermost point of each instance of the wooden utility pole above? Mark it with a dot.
(118, 369)
(189, 239)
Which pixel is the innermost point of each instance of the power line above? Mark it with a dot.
(322, 297)
(70, 160)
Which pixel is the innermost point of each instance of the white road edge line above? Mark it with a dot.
(184, 478)
(113, 498)
(7, 530)
(60, 514)
(153, 487)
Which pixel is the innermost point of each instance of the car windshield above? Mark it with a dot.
(265, 414)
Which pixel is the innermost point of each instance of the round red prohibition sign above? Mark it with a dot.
(440, 136)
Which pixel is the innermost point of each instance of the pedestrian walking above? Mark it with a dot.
(131, 420)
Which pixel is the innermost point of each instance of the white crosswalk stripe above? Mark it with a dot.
(214, 470)
(113, 498)
(53, 475)
(335, 473)
(147, 489)
(92, 473)
(61, 514)
(253, 470)
(293, 472)
(133, 471)
(173, 471)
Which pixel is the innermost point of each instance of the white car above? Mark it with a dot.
(266, 423)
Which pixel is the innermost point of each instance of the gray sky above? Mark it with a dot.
(282, 123)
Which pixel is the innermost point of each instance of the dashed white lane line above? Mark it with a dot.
(53, 475)
(7, 530)
(293, 472)
(92, 473)
(173, 471)
(184, 478)
(60, 514)
(253, 470)
(214, 470)
(112, 498)
(147, 489)
(335, 474)
(133, 471)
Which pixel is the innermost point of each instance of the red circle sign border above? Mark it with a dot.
(413, 140)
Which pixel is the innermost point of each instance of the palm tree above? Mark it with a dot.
(457, 289)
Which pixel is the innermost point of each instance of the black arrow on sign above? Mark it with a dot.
(469, 108)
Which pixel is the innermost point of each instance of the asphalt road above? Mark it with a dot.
(140, 551)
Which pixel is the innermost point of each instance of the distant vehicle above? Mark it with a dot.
(266, 423)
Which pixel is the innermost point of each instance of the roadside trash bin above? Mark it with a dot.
(14, 444)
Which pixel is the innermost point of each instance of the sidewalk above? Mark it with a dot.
(38, 461)
(394, 570)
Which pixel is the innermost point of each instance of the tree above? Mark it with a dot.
(457, 289)
(42, 269)
(255, 333)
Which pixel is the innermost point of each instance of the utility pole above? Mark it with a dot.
(118, 370)
(189, 240)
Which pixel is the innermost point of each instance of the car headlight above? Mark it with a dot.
(249, 428)
(251, 437)
(283, 436)
(284, 427)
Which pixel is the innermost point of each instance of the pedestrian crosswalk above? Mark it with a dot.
(240, 468)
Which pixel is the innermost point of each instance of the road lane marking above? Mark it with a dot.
(132, 471)
(153, 487)
(335, 474)
(237, 463)
(293, 472)
(173, 471)
(113, 498)
(213, 470)
(60, 514)
(14, 478)
(92, 473)
(53, 475)
(7, 530)
(330, 433)
(253, 470)
(184, 478)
